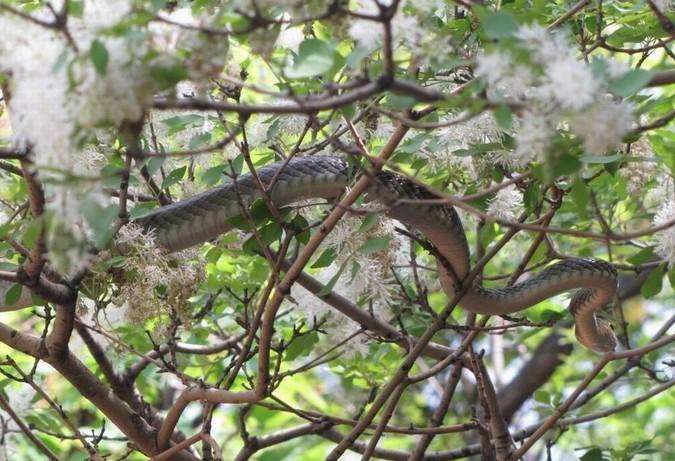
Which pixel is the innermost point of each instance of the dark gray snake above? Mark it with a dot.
(207, 215)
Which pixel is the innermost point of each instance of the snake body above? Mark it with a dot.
(207, 215)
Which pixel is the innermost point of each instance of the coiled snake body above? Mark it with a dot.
(207, 215)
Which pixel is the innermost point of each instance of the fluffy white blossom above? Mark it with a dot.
(567, 80)
(504, 78)
(405, 27)
(63, 90)
(533, 138)
(337, 325)
(155, 283)
(59, 95)
(616, 68)
(571, 83)
(45, 110)
(492, 67)
(373, 282)
(544, 45)
(664, 189)
(637, 172)
(506, 204)
(665, 239)
(291, 37)
(366, 33)
(603, 125)
(479, 129)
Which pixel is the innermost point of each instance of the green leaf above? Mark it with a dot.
(141, 210)
(75, 8)
(331, 283)
(348, 111)
(487, 234)
(116, 261)
(167, 76)
(601, 159)
(268, 234)
(3, 384)
(100, 221)
(154, 164)
(503, 116)
(368, 222)
(259, 210)
(654, 282)
(301, 346)
(594, 454)
(375, 244)
(13, 294)
(356, 56)
(630, 83)
(315, 57)
(542, 396)
(178, 123)
(565, 164)
(400, 102)
(199, 140)
(174, 177)
(326, 258)
(237, 165)
(301, 227)
(580, 195)
(99, 57)
(30, 235)
(642, 256)
(214, 174)
(499, 24)
(531, 197)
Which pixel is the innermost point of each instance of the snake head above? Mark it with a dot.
(603, 340)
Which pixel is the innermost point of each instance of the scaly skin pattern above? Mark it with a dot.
(205, 216)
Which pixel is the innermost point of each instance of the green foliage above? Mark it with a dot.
(295, 53)
(99, 57)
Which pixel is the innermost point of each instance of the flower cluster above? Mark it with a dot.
(558, 90)
(65, 87)
(506, 204)
(665, 239)
(155, 284)
(371, 284)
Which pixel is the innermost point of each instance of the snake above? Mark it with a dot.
(205, 216)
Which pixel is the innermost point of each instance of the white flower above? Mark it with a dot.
(532, 34)
(616, 68)
(638, 172)
(291, 38)
(532, 139)
(516, 84)
(545, 46)
(149, 268)
(571, 83)
(366, 33)
(665, 239)
(368, 7)
(492, 67)
(407, 29)
(506, 205)
(665, 187)
(603, 125)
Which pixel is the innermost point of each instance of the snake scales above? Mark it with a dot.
(205, 216)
